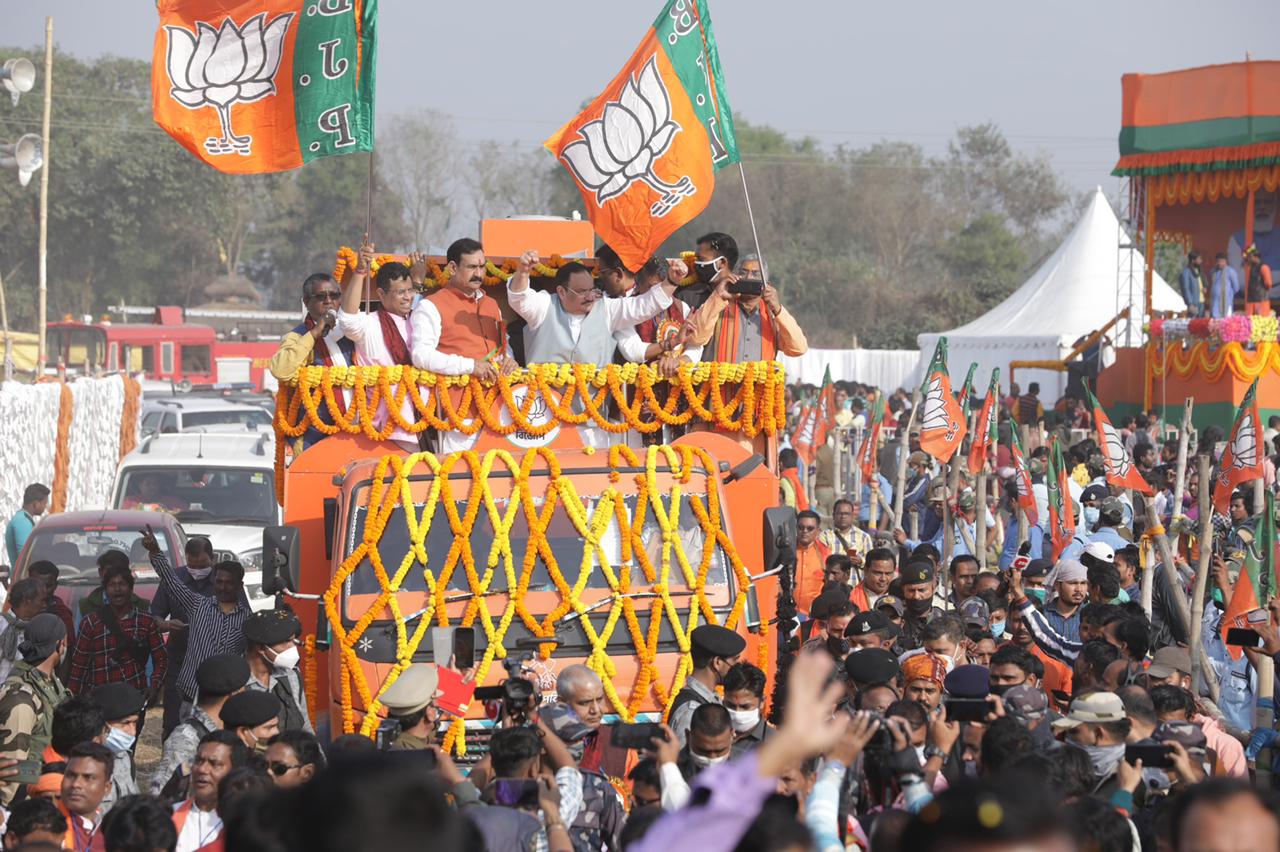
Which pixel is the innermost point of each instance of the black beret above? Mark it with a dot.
(249, 709)
(968, 681)
(222, 674)
(917, 571)
(717, 641)
(1038, 568)
(118, 700)
(822, 604)
(867, 622)
(871, 665)
(270, 627)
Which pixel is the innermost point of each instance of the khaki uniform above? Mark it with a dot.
(408, 742)
(27, 701)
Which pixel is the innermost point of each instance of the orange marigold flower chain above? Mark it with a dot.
(390, 491)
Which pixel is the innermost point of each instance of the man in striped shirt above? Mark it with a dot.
(217, 623)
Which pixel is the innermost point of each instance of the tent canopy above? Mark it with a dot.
(1083, 284)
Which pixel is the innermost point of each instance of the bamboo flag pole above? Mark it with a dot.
(1175, 594)
(1202, 566)
(980, 522)
(43, 255)
(904, 445)
(1180, 480)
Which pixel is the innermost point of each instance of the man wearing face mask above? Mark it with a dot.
(918, 586)
(28, 699)
(120, 704)
(742, 319)
(272, 653)
(710, 744)
(411, 702)
(1098, 724)
(174, 617)
(254, 717)
(744, 698)
(714, 650)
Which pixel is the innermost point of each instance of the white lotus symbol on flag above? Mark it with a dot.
(224, 66)
(935, 410)
(622, 146)
(1117, 458)
(1244, 446)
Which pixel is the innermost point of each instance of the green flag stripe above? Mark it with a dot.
(333, 114)
(684, 31)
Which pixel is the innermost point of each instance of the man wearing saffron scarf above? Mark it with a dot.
(383, 337)
(742, 327)
(317, 341)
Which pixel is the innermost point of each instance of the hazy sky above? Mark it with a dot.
(843, 71)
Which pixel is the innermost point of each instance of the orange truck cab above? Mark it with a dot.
(547, 547)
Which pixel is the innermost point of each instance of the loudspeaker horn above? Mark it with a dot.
(17, 76)
(26, 155)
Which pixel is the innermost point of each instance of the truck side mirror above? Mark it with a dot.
(281, 560)
(779, 535)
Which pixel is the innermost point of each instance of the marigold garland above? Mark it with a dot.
(573, 394)
(635, 571)
(495, 273)
(1210, 362)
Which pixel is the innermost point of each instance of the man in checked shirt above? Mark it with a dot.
(217, 623)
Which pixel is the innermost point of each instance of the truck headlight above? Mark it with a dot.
(251, 560)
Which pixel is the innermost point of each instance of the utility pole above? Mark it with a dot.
(41, 317)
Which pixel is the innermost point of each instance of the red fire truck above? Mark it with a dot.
(166, 349)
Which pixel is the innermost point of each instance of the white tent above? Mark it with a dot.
(1084, 283)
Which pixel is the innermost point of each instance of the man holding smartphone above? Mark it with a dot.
(743, 319)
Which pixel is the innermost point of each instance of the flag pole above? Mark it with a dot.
(752, 217)
(368, 197)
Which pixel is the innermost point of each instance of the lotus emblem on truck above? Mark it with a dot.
(219, 67)
(622, 146)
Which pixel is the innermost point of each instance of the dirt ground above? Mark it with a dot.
(147, 754)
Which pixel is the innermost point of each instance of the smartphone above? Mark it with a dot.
(636, 736)
(441, 644)
(464, 648)
(968, 709)
(1244, 637)
(1152, 755)
(516, 792)
(421, 758)
(747, 287)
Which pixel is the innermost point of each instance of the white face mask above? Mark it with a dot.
(744, 720)
(287, 659)
(200, 573)
(702, 761)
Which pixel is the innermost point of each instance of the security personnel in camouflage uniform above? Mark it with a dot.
(28, 698)
(409, 702)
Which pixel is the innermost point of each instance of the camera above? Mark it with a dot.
(514, 692)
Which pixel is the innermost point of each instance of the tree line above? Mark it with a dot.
(873, 244)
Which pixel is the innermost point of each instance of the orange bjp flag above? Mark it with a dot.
(644, 153)
(251, 86)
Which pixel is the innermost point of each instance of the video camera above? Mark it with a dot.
(515, 691)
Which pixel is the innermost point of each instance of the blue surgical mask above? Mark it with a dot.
(1090, 515)
(119, 741)
(997, 629)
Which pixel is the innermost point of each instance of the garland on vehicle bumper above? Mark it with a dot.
(637, 570)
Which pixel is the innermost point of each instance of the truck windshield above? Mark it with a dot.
(567, 547)
(196, 495)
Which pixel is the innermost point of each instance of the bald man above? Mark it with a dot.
(582, 691)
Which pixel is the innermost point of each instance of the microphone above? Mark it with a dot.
(331, 317)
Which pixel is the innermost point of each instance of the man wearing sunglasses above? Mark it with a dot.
(317, 341)
(742, 319)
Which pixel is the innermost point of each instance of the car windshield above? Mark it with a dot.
(76, 552)
(202, 495)
(232, 417)
(566, 546)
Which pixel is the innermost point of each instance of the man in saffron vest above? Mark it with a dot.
(316, 342)
(383, 337)
(458, 330)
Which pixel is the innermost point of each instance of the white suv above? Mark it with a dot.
(218, 484)
(193, 414)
